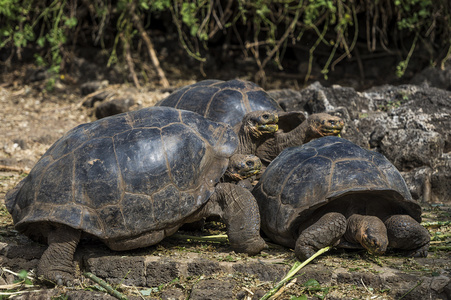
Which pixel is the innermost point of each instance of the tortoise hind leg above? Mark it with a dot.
(239, 211)
(407, 234)
(327, 231)
(56, 263)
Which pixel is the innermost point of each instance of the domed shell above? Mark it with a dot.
(302, 179)
(124, 175)
(221, 101)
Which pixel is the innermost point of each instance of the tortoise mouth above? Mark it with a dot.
(243, 174)
(251, 170)
(331, 130)
(375, 248)
(249, 173)
(268, 128)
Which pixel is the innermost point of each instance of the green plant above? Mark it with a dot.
(327, 31)
(294, 269)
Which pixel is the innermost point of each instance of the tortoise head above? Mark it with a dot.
(372, 235)
(261, 122)
(242, 166)
(323, 124)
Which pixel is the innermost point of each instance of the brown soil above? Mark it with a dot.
(33, 119)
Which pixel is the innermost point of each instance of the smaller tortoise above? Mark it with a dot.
(331, 191)
(230, 101)
(132, 179)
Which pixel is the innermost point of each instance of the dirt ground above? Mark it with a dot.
(180, 268)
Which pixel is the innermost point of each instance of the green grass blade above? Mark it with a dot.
(296, 267)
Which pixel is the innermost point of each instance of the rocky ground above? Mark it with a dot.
(181, 267)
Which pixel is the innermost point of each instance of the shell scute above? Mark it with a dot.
(96, 179)
(55, 185)
(187, 156)
(351, 174)
(153, 117)
(167, 203)
(139, 212)
(141, 160)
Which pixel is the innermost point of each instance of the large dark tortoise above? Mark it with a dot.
(331, 190)
(230, 101)
(130, 180)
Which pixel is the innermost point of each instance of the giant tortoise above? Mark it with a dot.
(229, 102)
(331, 191)
(130, 180)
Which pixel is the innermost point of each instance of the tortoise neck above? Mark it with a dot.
(292, 138)
(247, 142)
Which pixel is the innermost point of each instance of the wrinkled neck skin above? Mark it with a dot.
(292, 138)
(247, 142)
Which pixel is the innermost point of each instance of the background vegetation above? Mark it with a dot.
(324, 32)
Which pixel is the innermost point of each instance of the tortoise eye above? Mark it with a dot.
(265, 117)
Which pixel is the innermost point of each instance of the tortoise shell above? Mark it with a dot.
(302, 180)
(222, 101)
(124, 175)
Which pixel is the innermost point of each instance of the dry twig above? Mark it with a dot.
(153, 55)
(4, 168)
(131, 65)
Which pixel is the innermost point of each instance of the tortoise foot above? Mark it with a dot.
(251, 247)
(56, 277)
(327, 231)
(405, 233)
(56, 264)
(420, 252)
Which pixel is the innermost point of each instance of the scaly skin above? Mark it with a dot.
(369, 232)
(254, 126)
(242, 166)
(56, 263)
(327, 231)
(319, 125)
(407, 234)
(238, 209)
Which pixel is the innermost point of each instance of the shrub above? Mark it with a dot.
(262, 29)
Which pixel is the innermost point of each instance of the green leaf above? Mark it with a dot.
(71, 22)
(302, 297)
(144, 5)
(22, 274)
(311, 283)
(39, 60)
(41, 41)
(149, 292)
(160, 5)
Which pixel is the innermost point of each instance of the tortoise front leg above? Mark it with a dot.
(239, 211)
(327, 231)
(407, 234)
(56, 263)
